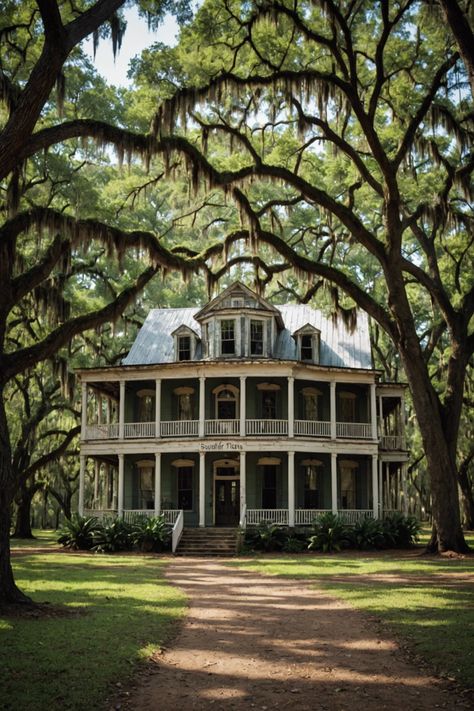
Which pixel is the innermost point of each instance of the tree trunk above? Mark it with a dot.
(9, 593)
(467, 498)
(23, 514)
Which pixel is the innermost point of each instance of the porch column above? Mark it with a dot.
(291, 406)
(375, 488)
(243, 483)
(84, 410)
(202, 403)
(291, 489)
(120, 485)
(202, 486)
(332, 406)
(108, 412)
(243, 407)
(381, 491)
(157, 408)
(334, 482)
(373, 411)
(99, 409)
(82, 474)
(122, 409)
(404, 470)
(157, 483)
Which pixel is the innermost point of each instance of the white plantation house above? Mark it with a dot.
(241, 412)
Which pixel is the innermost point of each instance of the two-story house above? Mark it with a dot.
(242, 411)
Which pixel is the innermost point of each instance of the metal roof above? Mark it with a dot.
(338, 346)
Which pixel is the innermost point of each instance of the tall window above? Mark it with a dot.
(184, 397)
(256, 337)
(269, 404)
(226, 402)
(269, 486)
(145, 484)
(185, 488)
(312, 474)
(347, 405)
(307, 347)
(228, 337)
(348, 473)
(146, 405)
(184, 347)
(311, 403)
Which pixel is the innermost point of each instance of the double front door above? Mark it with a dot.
(227, 497)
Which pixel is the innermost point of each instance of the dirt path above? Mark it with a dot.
(254, 642)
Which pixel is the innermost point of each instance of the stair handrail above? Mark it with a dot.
(177, 530)
(243, 516)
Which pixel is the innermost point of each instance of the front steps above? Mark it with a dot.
(208, 542)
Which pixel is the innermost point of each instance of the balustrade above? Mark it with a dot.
(354, 515)
(102, 431)
(180, 428)
(305, 517)
(256, 516)
(393, 442)
(354, 430)
(312, 428)
(138, 430)
(267, 427)
(221, 427)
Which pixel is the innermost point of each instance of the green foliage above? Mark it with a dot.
(79, 532)
(331, 533)
(151, 533)
(400, 531)
(265, 537)
(295, 544)
(367, 533)
(113, 537)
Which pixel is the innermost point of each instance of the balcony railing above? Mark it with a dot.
(266, 427)
(256, 516)
(354, 430)
(393, 442)
(138, 430)
(305, 517)
(221, 427)
(354, 515)
(180, 428)
(110, 431)
(312, 428)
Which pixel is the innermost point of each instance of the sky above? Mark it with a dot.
(137, 37)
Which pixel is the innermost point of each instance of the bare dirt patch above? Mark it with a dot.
(267, 643)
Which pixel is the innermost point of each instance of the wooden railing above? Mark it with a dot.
(102, 431)
(312, 428)
(393, 442)
(177, 530)
(180, 428)
(354, 515)
(266, 427)
(305, 517)
(101, 514)
(256, 516)
(221, 427)
(131, 515)
(170, 515)
(138, 430)
(354, 430)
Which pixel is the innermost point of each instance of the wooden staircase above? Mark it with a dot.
(208, 542)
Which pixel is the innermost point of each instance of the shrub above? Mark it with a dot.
(400, 531)
(78, 532)
(367, 533)
(294, 544)
(265, 537)
(113, 537)
(330, 533)
(151, 533)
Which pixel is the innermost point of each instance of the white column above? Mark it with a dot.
(375, 487)
(202, 405)
(243, 407)
(96, 481)
(120, 485)
(157, 483)
(381, 492)
(291, 406)
(243, 482)
(82, 474)
(373, 411)
(84, 411)
(121, 409)
(404, 487)
(108, 413)
(332, 405)
(334, 482)
(157, 408)
(291, 489)
(202, 488)
(99, 409)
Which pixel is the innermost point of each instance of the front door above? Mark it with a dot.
(227, 498)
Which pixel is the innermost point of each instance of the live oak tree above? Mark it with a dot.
(350, 157)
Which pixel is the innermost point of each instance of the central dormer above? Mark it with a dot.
(238, 324)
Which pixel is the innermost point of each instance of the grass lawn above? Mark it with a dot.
(426, 602)
(42, 539)
(119, 609)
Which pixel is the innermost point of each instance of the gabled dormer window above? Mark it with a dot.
(185, 342)
(256, 337)
(307, 344)
(184, 347)
(227, 337)
(307, 352)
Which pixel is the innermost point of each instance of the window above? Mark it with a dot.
(256, 337)
(184, 402)
(347, 404)
(311, 403)
(146, 405)
(269, 486)
(184, 347)
(269, 404)
(312, 474)
(146, 491)
(185, 488)
(226, 402)
(228, 337)
(348, 473)
(307, 347)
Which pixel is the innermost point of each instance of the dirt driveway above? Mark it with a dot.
(254, 642)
